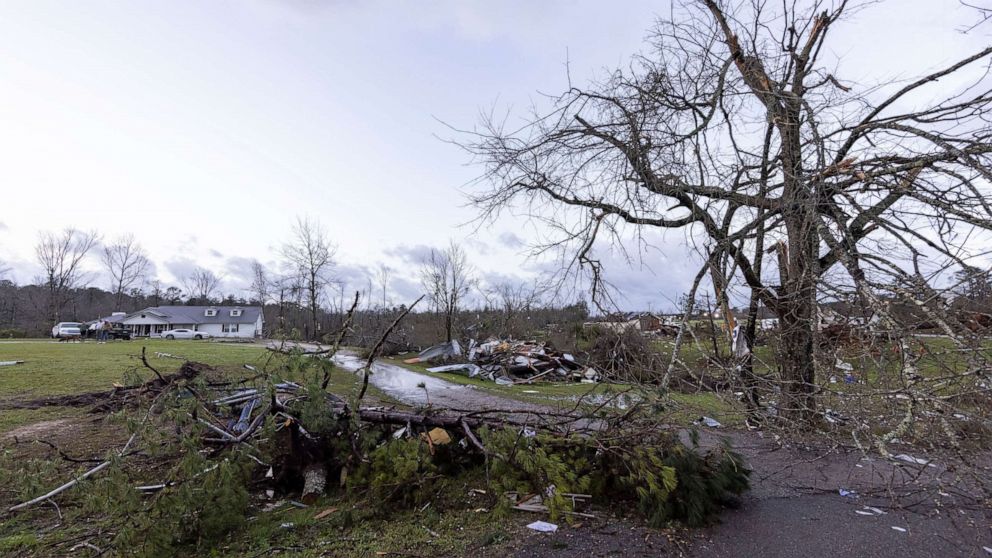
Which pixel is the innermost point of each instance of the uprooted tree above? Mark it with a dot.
(734, 130)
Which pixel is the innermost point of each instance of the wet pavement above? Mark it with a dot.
(414, 388)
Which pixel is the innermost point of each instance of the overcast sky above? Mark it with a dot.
(205, 128)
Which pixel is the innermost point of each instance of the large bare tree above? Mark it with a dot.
(310, 254)
(446, 276)
(61, 256)
(734, 131)
(127, 264)
(201, 285)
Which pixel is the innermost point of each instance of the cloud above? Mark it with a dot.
(180, 268)
(353, 277)
(492, 278)
(215, 253)
(478, 247)
(404, 291)
(3, 226)
(237, 273)
(415, 254)
(511, 240)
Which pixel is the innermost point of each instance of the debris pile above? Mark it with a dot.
(509, 362)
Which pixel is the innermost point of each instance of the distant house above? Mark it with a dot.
(640, 321)
(218, 321)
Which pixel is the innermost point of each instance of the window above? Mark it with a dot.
(210, 312)
(235, 313)
(229, 328)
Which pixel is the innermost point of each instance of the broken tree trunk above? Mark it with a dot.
(314, 481)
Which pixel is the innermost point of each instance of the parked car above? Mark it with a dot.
(66, 330)
(184, 334)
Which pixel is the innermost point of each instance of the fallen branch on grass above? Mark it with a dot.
(74, 481)
(114, 399)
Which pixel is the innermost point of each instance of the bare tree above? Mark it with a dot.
(734, 131)
(382, 278)
(61, 256)
(260, 283)
(287, 294)
(511, 299)
(984, 14)
(200, 285)
(311, 256)
(127, 264)
(447, 278)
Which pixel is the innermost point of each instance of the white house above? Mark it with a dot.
(218, 321)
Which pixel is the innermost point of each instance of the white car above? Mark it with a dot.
(65, 330)
(184, 334)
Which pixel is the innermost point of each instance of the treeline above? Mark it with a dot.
(303, 296)
(24, 309)
(24, 313)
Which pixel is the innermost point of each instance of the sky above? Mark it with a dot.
(207, 128)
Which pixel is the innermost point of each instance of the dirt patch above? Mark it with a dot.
(83, 437)
(36, 431)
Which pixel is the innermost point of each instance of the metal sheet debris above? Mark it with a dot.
(543, 527)
(707, 421)
(470, 370)
(511, 362)
(914, 460)
(442, 351)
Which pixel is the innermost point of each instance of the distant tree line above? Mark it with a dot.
(302, 296)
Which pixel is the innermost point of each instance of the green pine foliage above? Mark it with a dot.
(666, 480)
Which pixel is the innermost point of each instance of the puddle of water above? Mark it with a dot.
(397, 382)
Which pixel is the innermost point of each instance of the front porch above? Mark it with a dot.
(155, 329)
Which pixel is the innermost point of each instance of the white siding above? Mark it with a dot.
(217, 330)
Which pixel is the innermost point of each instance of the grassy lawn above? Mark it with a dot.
(52, 368)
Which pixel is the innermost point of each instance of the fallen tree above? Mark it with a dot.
(221, 444)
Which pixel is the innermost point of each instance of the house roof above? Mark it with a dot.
(196, 314)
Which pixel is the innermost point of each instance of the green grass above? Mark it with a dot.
(52, 368)
(353, 530)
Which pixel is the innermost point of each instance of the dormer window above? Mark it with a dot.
(210, 312)
(235, 313)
